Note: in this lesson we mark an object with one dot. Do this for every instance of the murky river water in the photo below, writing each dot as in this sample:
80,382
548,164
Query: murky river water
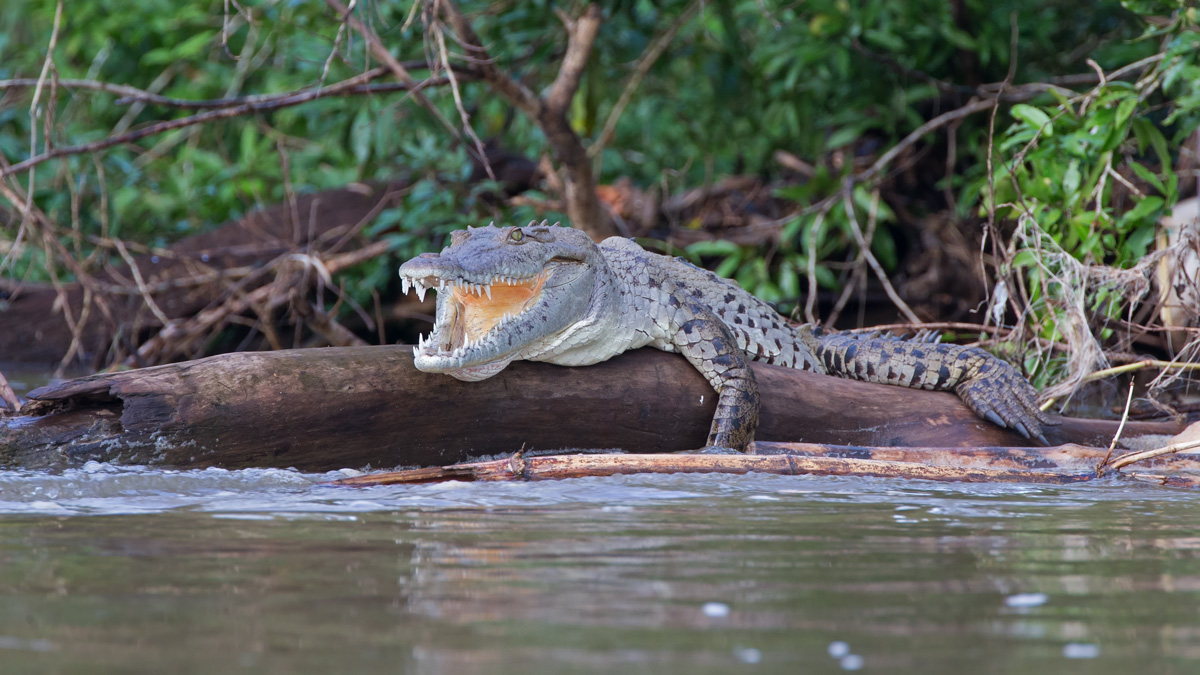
135,570
127,570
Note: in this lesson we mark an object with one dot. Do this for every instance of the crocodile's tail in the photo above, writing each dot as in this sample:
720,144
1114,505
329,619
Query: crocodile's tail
989,386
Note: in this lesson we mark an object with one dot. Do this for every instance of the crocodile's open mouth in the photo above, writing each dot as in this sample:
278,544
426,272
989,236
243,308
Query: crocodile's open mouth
472,311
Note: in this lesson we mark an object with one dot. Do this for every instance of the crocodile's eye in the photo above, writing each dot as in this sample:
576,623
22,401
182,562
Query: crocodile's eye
516,235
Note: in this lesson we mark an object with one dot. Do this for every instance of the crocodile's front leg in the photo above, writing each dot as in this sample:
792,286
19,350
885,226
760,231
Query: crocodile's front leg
709,345
992,388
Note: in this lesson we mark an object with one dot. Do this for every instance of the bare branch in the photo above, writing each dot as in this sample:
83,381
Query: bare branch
348,87
579,47
8,396
933,124
864,249
649,57
401,73
141,283
179,337
583,207
130,94
516,92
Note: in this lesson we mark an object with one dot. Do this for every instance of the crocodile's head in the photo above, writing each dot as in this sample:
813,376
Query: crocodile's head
504,293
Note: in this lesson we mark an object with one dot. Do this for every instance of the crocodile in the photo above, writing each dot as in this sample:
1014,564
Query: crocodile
549,293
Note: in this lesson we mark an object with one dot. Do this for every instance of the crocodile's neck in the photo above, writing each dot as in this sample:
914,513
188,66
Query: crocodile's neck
598,333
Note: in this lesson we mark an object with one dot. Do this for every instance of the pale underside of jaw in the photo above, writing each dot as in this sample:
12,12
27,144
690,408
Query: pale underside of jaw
471,312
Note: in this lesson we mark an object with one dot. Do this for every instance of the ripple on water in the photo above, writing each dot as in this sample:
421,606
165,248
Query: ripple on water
104,489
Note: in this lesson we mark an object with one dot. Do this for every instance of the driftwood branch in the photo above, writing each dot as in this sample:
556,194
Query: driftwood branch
1054,465
1146,455
323,409
519,467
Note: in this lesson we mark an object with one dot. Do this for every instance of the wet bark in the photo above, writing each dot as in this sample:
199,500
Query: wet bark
323,409
985,465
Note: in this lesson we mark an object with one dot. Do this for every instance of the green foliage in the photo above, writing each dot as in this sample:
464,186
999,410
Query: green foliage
824,79
1090,176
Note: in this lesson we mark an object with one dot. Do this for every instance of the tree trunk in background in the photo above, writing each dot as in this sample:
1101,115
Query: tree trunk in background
323,409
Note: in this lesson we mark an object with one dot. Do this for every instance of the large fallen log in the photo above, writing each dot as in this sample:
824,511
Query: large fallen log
322,409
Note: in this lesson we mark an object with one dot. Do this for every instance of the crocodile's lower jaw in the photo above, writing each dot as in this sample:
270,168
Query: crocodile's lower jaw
477,373
456,366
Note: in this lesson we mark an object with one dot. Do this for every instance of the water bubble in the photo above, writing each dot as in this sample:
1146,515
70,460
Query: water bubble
25,644
747,654
1081,650
838,649
715,610
851,662
1026,600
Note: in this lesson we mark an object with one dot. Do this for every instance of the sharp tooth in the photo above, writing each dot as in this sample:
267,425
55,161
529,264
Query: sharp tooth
404,285
421,291
415,350
441,284
488,289
421,341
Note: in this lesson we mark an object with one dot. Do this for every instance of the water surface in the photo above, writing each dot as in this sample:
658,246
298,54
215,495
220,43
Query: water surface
137,570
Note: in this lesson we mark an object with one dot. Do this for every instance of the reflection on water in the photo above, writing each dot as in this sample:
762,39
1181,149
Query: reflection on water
24,378
215,571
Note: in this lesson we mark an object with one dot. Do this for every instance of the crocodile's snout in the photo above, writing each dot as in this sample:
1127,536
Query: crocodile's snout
499,291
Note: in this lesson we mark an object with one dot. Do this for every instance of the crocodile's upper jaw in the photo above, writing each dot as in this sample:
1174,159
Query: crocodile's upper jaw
499,300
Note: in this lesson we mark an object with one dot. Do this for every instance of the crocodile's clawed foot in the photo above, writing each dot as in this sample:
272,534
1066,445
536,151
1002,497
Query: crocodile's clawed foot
1005,399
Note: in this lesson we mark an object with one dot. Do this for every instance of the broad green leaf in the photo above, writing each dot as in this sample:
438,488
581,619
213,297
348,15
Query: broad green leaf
194,45
843,136
1148,176
713,248
1034,117
360,135
1146,207
1071,179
